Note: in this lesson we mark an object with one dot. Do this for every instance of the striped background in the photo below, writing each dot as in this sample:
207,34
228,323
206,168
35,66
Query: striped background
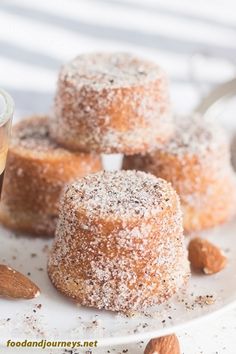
194,41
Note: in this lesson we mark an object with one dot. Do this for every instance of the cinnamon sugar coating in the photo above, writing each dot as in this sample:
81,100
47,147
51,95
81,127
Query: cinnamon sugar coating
197,163
36,173
119,242
111,103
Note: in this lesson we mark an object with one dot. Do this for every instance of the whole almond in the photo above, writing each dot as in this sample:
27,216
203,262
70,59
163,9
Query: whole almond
205,256
15,285
163,345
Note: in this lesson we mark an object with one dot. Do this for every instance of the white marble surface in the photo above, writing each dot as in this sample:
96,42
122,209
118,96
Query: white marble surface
193,41
211,337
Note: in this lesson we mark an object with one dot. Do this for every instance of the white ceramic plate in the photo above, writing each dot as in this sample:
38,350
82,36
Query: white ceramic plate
60,319
52,316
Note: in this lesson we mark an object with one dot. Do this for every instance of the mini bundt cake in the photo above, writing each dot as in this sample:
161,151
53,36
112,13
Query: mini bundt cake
37,171
119,242
111,103
197,163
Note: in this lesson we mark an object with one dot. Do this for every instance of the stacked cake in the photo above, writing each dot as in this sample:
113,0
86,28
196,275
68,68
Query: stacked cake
119,242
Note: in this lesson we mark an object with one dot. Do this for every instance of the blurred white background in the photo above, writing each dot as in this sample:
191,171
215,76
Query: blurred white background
195,41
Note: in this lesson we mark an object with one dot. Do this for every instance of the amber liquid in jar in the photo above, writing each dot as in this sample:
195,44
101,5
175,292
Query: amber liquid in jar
3,155
6,112
1,182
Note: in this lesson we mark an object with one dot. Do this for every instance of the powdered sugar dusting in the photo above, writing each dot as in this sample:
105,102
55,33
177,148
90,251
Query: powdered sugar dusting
195,134
110,70
120,194
32,133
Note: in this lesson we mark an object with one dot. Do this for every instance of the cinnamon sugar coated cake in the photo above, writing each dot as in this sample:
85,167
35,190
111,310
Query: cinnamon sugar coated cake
119,243
197,163
111,103
36,173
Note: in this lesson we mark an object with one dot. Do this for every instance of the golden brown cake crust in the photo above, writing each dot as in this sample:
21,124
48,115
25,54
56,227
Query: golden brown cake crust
36,173
119,243
197,163
111,103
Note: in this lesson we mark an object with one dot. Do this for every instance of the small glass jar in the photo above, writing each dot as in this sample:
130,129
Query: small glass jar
6,114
